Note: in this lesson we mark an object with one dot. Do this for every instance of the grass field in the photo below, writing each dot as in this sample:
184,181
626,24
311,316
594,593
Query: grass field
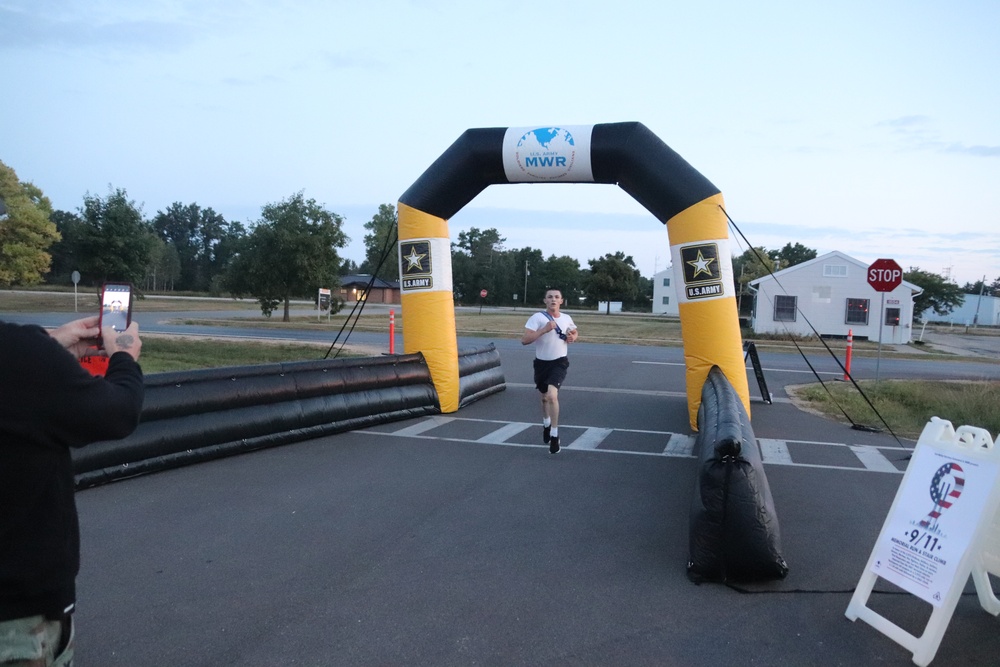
907,405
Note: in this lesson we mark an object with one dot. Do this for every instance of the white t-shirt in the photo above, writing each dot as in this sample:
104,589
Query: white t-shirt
549,345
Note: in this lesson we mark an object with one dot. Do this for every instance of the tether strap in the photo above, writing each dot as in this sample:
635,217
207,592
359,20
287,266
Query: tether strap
552,319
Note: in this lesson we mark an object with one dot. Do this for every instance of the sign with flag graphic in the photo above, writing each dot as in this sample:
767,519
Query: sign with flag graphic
937,512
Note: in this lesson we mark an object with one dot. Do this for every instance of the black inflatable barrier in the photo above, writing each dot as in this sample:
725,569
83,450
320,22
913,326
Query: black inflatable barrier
733,531
193,416
479,374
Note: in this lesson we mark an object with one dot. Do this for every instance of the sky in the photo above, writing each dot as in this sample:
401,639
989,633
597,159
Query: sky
865,127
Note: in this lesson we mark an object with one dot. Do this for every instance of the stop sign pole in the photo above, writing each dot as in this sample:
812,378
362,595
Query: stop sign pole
884,275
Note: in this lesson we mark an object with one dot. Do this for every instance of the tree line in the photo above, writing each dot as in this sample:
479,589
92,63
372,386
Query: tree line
294,247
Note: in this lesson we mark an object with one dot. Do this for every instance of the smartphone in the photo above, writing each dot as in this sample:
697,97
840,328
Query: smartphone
116,306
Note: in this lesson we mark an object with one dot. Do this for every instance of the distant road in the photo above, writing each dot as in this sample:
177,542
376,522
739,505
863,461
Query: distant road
780,367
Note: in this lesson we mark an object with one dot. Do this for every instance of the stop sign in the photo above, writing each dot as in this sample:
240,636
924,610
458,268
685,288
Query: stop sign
884,275
482,293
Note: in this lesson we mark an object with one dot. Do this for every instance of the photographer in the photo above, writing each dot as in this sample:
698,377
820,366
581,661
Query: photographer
49,403
551,332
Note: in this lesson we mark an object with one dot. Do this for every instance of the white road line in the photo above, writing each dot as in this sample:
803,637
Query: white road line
637,392
504,433
873,459
749,368
603,390
591,438
774,451
425,425
680,445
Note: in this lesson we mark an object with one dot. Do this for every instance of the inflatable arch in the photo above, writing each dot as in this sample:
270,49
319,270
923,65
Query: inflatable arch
626,154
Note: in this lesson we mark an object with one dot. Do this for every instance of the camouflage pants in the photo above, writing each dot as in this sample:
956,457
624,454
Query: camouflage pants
35,642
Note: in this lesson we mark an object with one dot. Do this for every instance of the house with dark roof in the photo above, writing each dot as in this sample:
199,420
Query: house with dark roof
365,287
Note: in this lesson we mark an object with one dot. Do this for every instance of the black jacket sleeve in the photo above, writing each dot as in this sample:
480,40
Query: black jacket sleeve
50,399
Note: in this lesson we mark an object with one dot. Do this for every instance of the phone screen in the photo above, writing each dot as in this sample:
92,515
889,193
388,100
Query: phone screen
116,306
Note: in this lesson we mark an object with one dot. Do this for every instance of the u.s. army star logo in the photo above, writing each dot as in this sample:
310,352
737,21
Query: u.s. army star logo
416,265
702,273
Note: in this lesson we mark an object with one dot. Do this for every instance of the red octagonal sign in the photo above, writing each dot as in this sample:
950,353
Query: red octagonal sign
884,275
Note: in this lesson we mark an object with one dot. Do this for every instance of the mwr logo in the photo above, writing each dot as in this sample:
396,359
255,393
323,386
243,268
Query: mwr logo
417,266
546,153
702,272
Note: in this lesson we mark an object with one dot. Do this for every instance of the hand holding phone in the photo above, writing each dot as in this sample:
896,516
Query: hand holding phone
116,306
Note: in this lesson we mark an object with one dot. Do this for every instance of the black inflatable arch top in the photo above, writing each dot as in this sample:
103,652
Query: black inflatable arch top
625,154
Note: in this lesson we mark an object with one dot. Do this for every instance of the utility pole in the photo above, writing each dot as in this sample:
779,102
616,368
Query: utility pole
975,318
526,274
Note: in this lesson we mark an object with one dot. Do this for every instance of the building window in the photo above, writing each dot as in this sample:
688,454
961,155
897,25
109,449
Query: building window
666,301
857,311
784,308
892,317
834,270
666,282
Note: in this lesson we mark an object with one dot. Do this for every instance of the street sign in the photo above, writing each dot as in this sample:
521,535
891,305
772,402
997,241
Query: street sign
482,293
884,275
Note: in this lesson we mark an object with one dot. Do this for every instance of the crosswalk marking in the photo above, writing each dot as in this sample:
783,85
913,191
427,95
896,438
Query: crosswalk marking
873,458
680,445
504,433
425,425
773,451
591,438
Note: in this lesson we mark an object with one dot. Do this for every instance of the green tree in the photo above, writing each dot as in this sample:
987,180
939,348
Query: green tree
164,265
476,263
291,251
382,245
613,278
790,255
115,243
754,263
26,233
982,287
563,272
196,234
939,294
66,251
644,298
528,276
350,268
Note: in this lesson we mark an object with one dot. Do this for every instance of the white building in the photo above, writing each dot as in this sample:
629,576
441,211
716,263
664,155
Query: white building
975,310
664,293
832,292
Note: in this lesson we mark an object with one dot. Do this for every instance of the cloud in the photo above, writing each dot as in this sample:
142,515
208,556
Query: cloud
917,133
977,151
30,30
904,121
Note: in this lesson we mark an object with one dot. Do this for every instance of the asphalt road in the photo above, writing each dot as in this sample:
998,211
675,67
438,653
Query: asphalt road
458,540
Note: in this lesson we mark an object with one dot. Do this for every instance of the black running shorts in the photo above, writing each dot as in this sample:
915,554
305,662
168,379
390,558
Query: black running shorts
550,373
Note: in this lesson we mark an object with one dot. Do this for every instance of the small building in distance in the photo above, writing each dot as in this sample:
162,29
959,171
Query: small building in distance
355,288
665,293
975,310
